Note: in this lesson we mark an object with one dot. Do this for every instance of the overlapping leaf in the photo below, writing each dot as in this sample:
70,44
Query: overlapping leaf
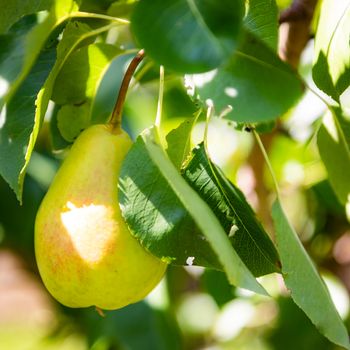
246,234
331,70
76,86
33,113
149,184
20,52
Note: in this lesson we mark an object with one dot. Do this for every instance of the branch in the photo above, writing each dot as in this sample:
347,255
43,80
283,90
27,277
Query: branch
295,30
294,35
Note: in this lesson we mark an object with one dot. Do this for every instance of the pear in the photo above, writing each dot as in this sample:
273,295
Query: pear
85,253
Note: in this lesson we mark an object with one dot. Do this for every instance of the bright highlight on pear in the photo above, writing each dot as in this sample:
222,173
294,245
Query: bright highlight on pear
84,250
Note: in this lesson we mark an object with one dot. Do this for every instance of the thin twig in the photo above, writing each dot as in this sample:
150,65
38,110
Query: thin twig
267,161
160,98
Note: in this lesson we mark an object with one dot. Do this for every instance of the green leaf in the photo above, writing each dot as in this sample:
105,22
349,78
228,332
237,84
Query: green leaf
74,34
261,19
12,11
255,82
17,58
17,120
179,142
57,141
72,120
82,73
148,185
335,153
307,288
76,86
121,8
228,203
331,69
156,215
187,36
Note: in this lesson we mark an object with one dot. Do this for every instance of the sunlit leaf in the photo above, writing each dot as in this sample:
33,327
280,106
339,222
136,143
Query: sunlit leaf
254,82
18,121
179,142
331,70
307,288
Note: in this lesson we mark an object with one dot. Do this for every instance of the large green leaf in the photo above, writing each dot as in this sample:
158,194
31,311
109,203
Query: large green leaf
246,234
17,121
255,82
307,288
262,20
335,153
331,70
18,53
187,36
156,215
150,188
12,11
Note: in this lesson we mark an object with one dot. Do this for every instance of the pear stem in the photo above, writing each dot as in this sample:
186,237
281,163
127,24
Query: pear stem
100,312
116,117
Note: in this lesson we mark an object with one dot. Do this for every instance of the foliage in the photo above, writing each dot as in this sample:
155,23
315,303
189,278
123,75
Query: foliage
61,66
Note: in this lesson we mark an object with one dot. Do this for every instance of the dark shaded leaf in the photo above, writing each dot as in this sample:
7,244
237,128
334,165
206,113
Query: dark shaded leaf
154,199
179,142
246,234
187,36
255,82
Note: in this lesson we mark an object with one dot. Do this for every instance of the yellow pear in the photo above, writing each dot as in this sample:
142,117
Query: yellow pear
84,250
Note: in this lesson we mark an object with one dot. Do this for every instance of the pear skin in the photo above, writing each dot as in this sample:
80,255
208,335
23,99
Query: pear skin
85,253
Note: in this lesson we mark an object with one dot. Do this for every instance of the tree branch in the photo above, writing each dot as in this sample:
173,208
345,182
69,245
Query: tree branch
294,35
295,30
